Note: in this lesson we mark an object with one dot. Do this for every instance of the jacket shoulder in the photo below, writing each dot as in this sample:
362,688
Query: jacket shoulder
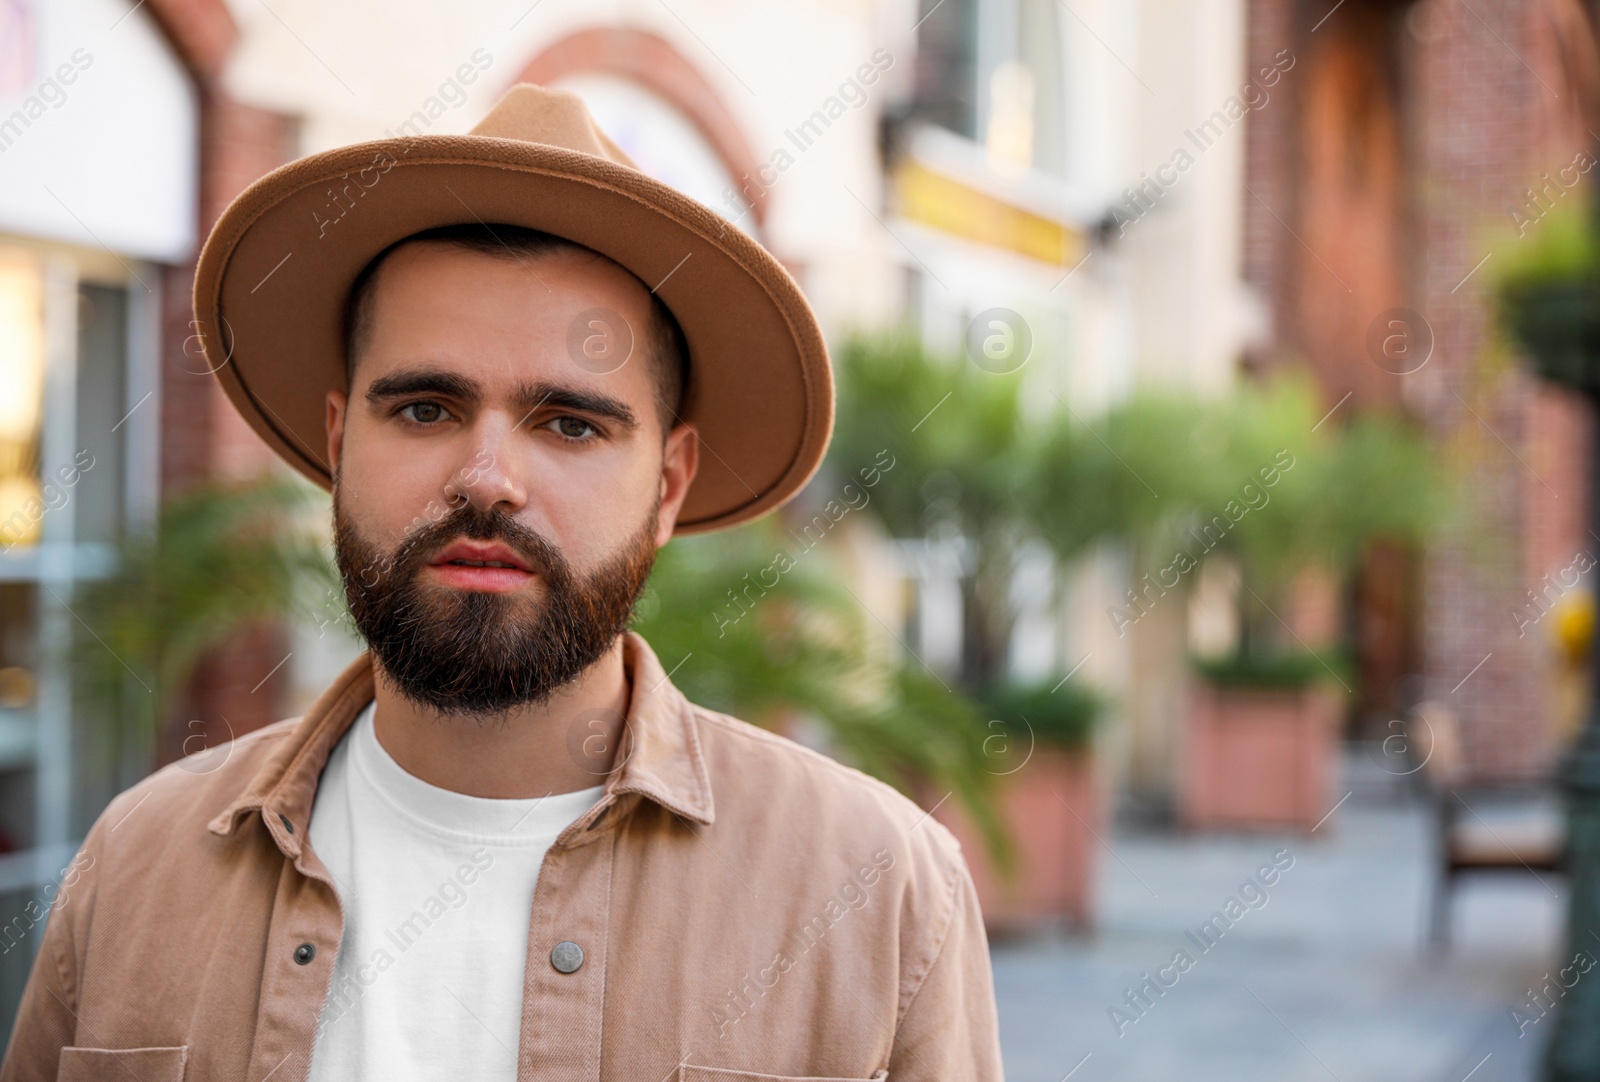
197,787
801,817
752,764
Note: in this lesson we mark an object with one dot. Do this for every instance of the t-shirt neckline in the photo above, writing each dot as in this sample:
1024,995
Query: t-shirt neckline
502,821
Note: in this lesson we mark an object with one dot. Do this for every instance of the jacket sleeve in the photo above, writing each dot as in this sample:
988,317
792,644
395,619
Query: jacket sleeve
951,1028
46,1021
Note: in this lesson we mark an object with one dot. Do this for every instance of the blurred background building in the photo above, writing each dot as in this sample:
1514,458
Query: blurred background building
1173,194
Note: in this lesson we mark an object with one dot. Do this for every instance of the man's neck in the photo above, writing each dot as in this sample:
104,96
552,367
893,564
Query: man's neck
559,746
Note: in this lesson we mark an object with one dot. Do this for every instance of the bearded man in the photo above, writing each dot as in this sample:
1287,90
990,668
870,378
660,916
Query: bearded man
503,845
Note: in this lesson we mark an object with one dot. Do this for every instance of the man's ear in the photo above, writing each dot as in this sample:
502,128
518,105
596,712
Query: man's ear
334,422
680,458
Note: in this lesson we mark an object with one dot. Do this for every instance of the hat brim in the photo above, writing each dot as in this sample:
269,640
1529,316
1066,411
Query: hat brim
272,280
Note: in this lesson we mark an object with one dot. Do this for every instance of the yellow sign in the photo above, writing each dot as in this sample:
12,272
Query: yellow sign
953,206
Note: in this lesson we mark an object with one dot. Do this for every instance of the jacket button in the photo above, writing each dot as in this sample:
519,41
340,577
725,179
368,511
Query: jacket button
286,824
566,956
305,952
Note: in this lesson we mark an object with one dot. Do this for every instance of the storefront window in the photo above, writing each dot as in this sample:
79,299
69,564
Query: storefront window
76,390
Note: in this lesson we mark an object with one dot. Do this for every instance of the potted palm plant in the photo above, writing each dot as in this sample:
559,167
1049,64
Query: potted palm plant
1260,741
1038,740
1260,737
969,447
1261,480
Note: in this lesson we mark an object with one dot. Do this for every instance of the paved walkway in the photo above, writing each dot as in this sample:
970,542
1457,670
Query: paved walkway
1321,978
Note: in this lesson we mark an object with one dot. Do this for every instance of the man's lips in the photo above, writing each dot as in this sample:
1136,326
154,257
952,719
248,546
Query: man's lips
481,565
480,552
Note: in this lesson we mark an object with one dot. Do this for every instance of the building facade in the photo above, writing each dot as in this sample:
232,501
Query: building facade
1409,157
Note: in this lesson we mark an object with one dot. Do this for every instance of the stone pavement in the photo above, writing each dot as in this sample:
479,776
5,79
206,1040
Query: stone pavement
1322,976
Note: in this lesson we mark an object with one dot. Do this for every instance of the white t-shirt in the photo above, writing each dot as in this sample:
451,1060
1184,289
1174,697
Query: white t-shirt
437,890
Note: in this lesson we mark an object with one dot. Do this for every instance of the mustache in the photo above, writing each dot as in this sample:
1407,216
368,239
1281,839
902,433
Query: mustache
470,522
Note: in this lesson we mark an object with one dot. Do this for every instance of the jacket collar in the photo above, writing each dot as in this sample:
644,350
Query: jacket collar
659,754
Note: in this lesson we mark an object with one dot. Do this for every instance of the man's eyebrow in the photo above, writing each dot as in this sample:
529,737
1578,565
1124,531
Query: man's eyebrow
530,397
424,380
527,397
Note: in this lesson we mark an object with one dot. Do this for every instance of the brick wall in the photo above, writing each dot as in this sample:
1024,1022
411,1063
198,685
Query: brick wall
1494,111
1485,99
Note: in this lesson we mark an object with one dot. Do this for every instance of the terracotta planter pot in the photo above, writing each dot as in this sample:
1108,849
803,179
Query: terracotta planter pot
1052,808
1257,759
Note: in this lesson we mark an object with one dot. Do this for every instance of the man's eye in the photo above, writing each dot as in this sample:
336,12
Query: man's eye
574,428
425,412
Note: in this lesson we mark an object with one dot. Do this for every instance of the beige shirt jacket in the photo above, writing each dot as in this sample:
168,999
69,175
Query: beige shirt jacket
734,908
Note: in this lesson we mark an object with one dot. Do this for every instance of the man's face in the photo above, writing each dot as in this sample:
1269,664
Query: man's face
472,435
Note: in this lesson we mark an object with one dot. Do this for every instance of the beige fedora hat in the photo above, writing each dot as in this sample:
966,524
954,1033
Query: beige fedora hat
273,277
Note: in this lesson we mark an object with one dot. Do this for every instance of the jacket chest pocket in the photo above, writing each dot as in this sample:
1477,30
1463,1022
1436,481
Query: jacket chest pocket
687,1072
130,1064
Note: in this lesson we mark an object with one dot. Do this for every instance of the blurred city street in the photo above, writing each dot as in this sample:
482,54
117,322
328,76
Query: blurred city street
1327,980
1157,439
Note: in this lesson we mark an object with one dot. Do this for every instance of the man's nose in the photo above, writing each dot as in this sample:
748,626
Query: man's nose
488,477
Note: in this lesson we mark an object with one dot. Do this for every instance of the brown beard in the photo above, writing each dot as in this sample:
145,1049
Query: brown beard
474,652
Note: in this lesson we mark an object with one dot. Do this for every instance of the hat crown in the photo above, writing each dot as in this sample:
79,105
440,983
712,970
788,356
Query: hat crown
559,118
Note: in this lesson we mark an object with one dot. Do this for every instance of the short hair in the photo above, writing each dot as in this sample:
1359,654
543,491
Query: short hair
668,351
